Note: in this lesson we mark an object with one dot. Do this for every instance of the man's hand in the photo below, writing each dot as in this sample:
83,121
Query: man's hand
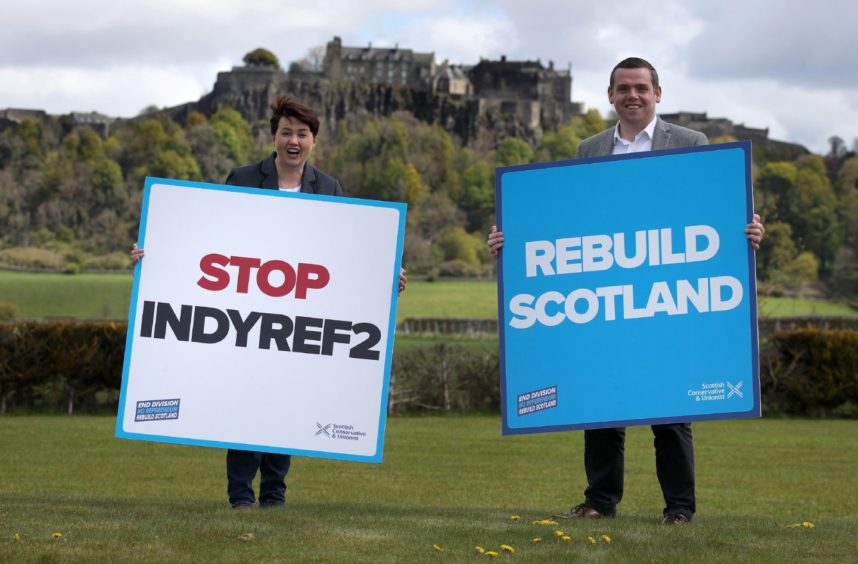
755,231
495,241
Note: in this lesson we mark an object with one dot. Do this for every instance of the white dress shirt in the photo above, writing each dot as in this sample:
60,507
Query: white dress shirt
642,141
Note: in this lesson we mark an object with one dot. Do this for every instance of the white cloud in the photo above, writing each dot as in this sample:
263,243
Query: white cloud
120,92
784,64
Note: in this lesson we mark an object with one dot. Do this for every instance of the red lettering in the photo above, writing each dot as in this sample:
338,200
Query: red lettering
288,274
309,276
208,264
244,264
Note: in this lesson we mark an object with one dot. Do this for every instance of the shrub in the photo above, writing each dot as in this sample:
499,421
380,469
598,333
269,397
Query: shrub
8,311
810,372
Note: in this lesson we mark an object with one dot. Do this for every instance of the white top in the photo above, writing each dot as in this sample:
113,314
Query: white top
295,189
642,142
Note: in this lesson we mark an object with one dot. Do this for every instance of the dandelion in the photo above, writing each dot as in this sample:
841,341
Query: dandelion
606,538
18,537
515,517
57,535
480,549
591,540
559,533
808,525
536,540
507,548
566,538
438,548
491,553
545,522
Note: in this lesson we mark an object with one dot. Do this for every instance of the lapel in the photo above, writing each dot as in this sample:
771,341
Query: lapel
268,173
606,143
308,179
661,136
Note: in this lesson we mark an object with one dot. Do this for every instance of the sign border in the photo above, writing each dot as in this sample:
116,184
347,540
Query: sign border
755,411
376,457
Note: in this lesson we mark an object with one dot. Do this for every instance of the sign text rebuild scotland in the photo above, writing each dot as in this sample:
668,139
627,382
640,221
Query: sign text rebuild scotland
262,320
627,291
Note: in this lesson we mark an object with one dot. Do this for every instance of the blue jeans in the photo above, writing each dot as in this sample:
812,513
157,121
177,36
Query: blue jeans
241,468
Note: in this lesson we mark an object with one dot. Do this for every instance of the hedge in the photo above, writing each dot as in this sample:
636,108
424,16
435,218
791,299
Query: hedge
811,372
77,365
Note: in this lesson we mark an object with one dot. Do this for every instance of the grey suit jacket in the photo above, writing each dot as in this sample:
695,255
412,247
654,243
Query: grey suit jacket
666,136
264,175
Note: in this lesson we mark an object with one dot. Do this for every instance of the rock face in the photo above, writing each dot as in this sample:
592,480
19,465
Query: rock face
478,122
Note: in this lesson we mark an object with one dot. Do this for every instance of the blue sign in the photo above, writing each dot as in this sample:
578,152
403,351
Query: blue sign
627,292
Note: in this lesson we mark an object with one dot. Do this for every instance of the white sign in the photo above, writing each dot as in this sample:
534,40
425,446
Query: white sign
262,320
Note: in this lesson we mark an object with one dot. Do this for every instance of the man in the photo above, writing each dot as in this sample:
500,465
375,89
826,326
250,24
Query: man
634,92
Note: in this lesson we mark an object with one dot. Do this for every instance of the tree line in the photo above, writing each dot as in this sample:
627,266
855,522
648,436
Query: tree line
70,199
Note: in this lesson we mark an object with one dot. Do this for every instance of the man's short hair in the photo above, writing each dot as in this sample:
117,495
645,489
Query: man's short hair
288,107
635,63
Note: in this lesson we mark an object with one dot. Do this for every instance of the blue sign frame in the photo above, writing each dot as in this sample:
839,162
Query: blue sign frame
133,322
627,290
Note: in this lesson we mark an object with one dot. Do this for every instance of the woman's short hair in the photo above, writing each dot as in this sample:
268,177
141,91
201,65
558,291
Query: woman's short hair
288,107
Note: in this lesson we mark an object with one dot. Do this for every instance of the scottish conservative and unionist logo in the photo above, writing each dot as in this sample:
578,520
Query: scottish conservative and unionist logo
717,391
339,432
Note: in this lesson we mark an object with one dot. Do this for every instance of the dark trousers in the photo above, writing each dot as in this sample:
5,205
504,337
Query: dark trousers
241,468
604,451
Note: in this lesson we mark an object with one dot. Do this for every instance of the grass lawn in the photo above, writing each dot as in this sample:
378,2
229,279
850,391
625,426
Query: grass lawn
451,481
106,296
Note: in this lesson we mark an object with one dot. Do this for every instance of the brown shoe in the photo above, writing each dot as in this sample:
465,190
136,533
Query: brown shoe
676,519
242,507
580,511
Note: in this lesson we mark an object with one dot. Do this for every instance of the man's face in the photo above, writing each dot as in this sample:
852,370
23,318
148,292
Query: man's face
633,96
293,142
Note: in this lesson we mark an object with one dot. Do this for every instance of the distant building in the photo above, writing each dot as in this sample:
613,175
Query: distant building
453,79
386,65
99,123
721,127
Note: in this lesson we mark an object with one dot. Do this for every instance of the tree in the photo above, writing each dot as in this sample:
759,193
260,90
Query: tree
261,57
513,151
313,61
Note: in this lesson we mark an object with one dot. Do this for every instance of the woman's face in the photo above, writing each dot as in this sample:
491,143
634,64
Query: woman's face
293,142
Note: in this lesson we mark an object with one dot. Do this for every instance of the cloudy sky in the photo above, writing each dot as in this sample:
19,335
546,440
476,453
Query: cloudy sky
788,65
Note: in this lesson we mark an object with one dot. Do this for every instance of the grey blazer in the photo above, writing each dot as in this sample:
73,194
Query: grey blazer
666,136
264,175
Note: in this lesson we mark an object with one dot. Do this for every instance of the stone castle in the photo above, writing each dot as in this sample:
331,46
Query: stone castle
479,104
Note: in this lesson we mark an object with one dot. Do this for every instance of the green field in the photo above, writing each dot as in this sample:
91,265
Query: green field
106,296
451,481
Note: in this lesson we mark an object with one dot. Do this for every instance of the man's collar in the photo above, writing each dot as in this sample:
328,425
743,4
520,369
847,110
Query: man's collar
649,130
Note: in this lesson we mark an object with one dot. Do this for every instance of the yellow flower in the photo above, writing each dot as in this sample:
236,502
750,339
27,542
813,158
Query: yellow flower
808,525
507,548
57,535
17,537
545,522
536,540
480,549
559,533
591,540
438,548
606,538
566,538
515,517
491,553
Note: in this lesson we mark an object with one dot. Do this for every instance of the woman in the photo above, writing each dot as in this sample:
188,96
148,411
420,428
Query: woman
294,127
